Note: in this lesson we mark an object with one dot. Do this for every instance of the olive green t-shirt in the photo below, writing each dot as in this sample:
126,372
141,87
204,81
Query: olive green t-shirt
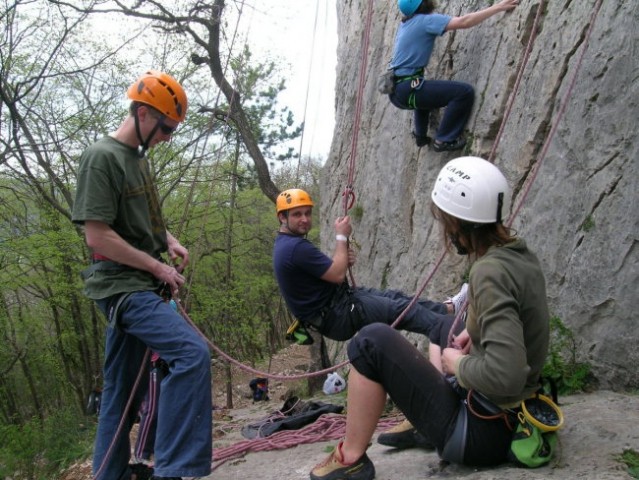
115,187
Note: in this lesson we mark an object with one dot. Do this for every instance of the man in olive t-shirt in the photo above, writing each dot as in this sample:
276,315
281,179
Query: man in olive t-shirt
118,205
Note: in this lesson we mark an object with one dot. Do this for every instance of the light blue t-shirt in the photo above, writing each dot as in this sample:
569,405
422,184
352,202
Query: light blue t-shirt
415,40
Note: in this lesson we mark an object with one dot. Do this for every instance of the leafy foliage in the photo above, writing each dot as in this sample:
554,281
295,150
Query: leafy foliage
562,365
60,91
37,450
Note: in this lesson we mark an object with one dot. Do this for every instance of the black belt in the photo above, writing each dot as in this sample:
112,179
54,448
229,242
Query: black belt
317,321
403,78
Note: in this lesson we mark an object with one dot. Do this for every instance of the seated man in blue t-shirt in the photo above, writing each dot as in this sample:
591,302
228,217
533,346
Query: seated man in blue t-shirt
314,284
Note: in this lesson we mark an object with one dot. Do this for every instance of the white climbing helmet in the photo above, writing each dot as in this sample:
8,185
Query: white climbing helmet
472,189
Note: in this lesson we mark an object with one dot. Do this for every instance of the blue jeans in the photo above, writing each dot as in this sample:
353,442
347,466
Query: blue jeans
183,443
457,97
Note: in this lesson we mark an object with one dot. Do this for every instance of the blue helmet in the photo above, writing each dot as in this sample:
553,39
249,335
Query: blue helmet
408,7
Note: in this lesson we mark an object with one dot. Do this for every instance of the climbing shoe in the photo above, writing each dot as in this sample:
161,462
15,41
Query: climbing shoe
449,146
422,140
333,469
458,300
140,471
403,436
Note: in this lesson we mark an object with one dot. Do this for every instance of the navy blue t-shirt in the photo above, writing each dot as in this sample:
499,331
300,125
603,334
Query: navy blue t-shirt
298,266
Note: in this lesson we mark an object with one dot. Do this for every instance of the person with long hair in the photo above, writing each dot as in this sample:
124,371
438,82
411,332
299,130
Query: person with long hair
467,411
414,42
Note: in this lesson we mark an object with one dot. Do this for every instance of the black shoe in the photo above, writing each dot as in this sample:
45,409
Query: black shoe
403,436
449,146
141,471
165,478
422,140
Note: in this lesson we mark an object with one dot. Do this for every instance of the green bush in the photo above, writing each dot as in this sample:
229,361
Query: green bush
562,365
631,458
38,449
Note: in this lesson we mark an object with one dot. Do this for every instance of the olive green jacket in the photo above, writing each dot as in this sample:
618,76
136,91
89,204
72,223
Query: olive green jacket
508,323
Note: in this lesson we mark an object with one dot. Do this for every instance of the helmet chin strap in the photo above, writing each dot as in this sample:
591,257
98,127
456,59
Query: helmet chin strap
144,144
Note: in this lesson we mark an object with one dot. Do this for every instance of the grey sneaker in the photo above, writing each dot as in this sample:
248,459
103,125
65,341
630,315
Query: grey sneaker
460,299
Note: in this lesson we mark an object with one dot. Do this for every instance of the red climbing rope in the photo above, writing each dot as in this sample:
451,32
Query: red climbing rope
520,74
513,95
125,414
564,104
247,368
349,196
329,426
540,159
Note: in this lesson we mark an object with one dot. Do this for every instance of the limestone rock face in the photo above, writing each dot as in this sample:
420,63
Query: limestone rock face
568,148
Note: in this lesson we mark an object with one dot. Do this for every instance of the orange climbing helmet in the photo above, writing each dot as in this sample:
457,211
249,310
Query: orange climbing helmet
162,92
292,198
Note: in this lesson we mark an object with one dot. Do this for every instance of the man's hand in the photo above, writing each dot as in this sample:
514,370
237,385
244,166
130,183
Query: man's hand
351,257
177,251
170,276
343,226
506,5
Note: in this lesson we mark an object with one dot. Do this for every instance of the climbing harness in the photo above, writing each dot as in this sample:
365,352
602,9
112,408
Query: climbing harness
297,333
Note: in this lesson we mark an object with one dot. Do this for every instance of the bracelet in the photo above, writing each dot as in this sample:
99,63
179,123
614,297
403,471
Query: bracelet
341,238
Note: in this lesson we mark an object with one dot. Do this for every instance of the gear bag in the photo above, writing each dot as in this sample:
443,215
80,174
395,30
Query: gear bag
386,82
259,386
535,438
293,415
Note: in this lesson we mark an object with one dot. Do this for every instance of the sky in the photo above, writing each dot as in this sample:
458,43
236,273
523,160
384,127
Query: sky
302,36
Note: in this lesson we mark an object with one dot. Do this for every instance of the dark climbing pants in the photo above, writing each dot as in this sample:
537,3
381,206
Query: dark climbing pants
457,97
428,400
353,309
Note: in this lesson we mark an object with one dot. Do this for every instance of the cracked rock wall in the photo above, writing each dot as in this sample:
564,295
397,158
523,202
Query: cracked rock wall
580,214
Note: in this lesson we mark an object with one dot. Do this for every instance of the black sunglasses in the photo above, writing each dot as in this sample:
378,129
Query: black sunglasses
166,130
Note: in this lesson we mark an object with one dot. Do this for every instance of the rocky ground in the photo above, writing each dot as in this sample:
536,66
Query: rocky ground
599,426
